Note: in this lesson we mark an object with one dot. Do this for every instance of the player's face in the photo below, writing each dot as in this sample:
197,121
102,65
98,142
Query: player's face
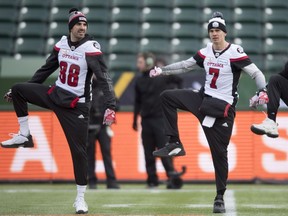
217,35
141,65
78,31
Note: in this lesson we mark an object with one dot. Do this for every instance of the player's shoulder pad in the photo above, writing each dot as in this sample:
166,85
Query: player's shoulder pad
237,51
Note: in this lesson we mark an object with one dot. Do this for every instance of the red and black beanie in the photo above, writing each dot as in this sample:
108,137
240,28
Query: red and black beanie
75,16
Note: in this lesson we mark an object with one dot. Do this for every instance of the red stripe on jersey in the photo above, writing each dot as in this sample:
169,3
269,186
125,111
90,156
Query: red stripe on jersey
56,48
226,110
239,59
93,53
201,55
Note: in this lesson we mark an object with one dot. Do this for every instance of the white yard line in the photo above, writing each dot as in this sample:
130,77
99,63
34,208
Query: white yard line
230,203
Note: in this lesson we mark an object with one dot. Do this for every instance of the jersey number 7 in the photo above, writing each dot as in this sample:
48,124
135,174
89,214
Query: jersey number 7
215,73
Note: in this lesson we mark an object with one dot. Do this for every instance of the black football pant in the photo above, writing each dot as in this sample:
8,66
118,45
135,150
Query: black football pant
153,137
277,88
218,136
75,128
100,135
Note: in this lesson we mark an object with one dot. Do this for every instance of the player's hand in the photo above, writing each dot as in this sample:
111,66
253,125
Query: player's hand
109,117
8,96
260,98
253,101
263,98
156,71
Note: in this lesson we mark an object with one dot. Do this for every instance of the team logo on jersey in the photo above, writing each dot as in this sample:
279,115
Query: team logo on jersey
96,45
240,50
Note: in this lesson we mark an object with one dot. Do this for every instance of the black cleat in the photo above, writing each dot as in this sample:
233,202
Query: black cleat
170,149
219,205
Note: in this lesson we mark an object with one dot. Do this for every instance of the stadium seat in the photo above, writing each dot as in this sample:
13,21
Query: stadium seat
187,30
187,4
36,3
156,45
274,63
186,46
119,45
156,15
250,45
67,3
160,4
8,14
97,15
276,46
10,29
59,14
125,15
258,60
127,30
96,4
58,29
26,29
6,46
216,3
248,3
126,3
34,14
276,30
97,29
30,46
122,62
275,3
104,45
156,30
275,15
10,3
187,15
254,30
208,13
176,57
248,15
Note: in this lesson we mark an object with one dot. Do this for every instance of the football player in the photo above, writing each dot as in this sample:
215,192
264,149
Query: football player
214,104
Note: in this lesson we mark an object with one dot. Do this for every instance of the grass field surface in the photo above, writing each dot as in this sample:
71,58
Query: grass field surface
134,199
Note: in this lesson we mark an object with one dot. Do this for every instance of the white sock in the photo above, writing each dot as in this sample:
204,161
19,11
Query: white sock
81,191
24,126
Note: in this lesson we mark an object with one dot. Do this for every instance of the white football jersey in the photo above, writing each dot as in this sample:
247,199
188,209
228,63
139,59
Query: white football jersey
73,66
222,70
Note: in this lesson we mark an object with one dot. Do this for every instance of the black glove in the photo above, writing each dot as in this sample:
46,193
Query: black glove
8,96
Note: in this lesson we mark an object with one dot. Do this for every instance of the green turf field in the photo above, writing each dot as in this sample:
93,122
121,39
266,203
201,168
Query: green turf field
192,199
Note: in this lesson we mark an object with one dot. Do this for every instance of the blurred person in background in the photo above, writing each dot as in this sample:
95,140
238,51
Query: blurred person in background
147,105
277,89
98,132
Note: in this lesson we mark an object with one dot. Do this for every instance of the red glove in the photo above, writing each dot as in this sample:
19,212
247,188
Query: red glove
263,98
109,117
259,98
155,72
